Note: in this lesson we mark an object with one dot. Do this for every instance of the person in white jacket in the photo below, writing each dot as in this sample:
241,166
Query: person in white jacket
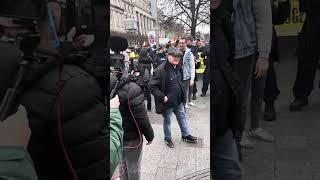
189,70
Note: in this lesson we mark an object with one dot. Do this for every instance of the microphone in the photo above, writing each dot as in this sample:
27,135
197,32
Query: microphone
118,44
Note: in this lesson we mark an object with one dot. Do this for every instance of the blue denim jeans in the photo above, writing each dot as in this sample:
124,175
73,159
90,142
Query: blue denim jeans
226,165
180,113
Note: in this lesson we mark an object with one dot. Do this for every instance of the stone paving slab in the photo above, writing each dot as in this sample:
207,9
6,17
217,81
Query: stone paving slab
295,154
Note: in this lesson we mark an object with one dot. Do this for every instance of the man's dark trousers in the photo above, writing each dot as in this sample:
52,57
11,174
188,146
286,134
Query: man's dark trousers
308,55
271,91
206,81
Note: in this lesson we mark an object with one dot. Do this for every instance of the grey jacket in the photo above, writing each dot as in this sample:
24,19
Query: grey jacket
253,27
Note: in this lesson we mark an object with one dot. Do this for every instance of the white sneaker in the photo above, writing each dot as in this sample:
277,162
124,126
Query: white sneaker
261,134
246,143
191,104
187,106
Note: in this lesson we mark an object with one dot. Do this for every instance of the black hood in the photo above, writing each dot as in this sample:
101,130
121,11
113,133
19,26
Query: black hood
144,52
10,58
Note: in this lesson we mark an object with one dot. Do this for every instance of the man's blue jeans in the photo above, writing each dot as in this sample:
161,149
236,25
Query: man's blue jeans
226,165
180,113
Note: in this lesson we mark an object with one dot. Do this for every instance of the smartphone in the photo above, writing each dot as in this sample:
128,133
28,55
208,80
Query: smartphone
82,29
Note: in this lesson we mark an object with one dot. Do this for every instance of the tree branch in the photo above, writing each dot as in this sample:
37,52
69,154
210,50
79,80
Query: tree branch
185,22
183,8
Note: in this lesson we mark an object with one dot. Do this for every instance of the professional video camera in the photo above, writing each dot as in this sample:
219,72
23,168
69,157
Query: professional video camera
28,13
117,44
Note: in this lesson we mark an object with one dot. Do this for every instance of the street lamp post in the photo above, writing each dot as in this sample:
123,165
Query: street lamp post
157,25
154,12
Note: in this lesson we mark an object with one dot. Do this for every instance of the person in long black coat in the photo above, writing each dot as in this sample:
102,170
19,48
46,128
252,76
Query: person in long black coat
308,54
226,97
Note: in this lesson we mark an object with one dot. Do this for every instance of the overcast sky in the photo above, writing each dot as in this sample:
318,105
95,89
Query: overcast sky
202,28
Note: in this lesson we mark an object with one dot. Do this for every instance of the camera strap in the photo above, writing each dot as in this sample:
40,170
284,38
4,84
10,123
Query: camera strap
52,28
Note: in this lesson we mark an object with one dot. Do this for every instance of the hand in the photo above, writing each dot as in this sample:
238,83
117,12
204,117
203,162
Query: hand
71,34
261,68
165,99
81,41
191,82
15,131
150,142
115,103
136,74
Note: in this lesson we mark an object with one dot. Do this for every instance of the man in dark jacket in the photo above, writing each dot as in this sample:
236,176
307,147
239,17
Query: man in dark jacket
135,121
226,97
280,13
206,74
308,54
160,57
167,87
85,21
82,147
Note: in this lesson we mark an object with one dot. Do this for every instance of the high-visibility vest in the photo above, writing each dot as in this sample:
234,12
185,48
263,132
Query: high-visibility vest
132,55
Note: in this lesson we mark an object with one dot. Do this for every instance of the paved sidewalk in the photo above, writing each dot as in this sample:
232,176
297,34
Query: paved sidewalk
184,161
295,155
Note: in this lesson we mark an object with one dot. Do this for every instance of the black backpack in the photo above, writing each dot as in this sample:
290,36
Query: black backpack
146,76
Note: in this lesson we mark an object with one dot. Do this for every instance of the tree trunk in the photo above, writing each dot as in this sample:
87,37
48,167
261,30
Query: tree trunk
193,30
193,18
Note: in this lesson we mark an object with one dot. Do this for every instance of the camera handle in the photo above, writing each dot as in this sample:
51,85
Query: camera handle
8,103
114,90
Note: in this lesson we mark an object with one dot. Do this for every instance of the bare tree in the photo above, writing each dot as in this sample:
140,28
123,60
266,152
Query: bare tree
169,24
191,13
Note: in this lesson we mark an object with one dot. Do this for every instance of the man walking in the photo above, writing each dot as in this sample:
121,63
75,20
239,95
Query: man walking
194,51
189,71
253,27
307,54
167,87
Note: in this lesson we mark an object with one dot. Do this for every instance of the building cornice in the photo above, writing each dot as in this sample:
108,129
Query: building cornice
128,2
117,7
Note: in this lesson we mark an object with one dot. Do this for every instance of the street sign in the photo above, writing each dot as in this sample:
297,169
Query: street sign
163,41
152,38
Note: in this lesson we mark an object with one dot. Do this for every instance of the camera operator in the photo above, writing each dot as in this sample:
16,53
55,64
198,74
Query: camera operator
135,118
85,27
83,149
144,67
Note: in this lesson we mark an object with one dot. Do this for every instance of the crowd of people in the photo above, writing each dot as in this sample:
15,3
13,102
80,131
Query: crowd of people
63,105
245,50
168,73
60,130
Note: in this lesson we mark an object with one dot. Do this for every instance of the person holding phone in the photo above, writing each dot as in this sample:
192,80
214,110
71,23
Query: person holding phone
116,134
15,161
